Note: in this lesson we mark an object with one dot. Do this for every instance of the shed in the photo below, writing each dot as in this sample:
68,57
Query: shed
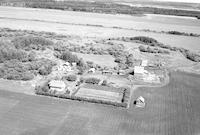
91,70
144,63
57,85
140,102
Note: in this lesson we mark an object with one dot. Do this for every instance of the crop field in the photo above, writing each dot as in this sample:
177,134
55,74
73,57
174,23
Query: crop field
94,25
171,110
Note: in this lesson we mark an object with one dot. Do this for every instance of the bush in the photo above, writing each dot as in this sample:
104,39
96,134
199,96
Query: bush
70,78
92,80
142,49
143,39
153,50
105,83
17,70
31,42
69,57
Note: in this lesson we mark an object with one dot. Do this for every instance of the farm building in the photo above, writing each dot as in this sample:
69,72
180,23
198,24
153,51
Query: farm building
139,70
74,64
140,102
91,70
66,67
57,86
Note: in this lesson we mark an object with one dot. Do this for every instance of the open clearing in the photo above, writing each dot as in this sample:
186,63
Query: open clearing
172,109
99,25
102,60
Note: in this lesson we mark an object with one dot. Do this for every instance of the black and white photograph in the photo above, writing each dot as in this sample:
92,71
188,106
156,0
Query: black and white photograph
99,67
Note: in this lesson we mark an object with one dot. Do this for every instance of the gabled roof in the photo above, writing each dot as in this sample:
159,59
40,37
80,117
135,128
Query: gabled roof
57,84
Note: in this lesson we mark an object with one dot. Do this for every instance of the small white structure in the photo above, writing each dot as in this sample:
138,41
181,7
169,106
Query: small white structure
121,72
140,102
91,70
66,64
74,64
57,86
139,70
144,63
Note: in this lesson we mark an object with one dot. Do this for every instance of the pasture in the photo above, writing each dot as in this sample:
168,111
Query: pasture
171,110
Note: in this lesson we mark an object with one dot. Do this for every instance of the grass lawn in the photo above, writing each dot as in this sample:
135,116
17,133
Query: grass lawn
171,110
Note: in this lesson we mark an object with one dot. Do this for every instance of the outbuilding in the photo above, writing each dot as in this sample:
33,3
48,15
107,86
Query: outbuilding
140,102
57,86
91,70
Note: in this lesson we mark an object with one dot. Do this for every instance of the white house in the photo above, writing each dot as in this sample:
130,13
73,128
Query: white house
139,70
57,86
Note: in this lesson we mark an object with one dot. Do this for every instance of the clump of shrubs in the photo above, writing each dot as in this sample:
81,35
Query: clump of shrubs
104,83
92,80
9,52
15,70
31,42
126,94
153,50
143,39
71,77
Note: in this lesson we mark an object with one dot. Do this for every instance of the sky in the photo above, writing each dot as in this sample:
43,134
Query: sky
188,1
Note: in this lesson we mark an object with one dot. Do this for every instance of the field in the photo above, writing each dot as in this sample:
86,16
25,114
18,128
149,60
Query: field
138,8
93,25
98,59
172,109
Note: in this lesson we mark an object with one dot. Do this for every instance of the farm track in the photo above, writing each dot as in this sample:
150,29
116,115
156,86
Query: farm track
172,109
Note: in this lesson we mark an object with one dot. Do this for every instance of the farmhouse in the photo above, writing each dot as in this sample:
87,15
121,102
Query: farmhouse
121,72
139,70
57,86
